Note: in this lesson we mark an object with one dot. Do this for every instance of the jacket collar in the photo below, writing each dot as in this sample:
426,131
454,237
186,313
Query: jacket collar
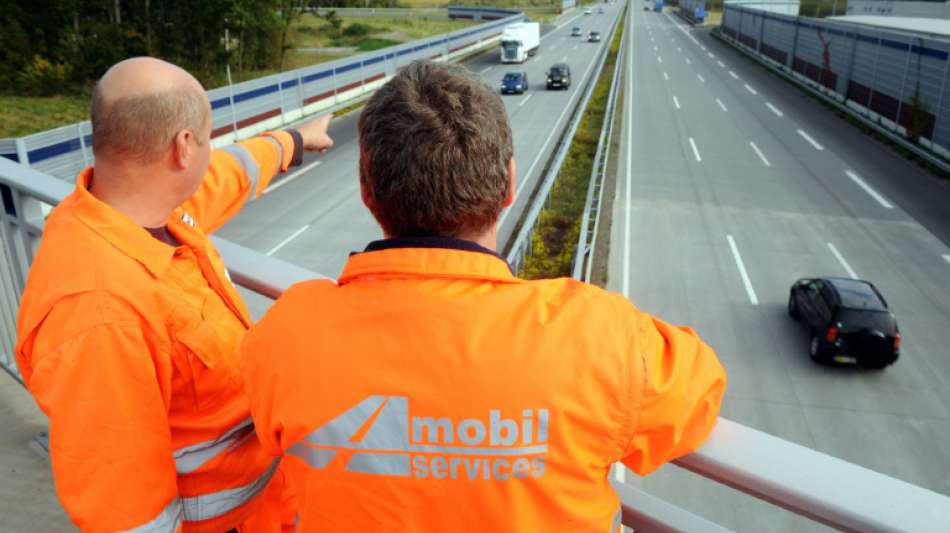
429,257
120,231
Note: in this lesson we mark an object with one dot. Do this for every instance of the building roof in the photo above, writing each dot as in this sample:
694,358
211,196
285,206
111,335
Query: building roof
929,26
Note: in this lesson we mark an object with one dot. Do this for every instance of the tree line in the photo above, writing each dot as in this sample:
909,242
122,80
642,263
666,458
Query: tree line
62,46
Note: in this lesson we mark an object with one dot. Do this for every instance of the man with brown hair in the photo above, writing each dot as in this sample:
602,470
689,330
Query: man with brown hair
432,390
129,328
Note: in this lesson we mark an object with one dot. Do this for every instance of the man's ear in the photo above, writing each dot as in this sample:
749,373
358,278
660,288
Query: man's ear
182,150
512,174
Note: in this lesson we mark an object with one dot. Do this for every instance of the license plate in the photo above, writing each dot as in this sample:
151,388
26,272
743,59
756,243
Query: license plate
844,359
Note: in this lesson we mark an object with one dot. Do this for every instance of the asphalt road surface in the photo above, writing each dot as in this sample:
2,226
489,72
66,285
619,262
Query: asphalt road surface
732,184
314,217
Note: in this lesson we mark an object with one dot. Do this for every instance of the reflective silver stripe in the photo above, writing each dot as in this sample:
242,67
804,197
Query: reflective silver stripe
617,521
251,168
315,457
215,504
191,458
380,463
167,521
280,152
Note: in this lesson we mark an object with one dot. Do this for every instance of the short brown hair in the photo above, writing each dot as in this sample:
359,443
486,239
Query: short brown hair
142,127
434,150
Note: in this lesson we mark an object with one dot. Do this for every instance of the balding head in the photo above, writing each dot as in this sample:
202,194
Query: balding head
141,104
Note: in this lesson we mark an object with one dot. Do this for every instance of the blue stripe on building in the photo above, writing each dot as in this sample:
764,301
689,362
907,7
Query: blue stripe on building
268,89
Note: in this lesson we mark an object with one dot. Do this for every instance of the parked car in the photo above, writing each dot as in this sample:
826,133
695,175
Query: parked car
514,82
593,37
559,76
848,320
576,31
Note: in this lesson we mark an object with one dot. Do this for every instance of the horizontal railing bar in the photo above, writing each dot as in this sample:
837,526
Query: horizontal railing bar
823,488
646,513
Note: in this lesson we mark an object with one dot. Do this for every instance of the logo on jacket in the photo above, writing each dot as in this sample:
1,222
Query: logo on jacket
378,436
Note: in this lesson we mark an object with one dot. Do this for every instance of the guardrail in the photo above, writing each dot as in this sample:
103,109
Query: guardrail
590,219
894,81
245,109
804,481
520,248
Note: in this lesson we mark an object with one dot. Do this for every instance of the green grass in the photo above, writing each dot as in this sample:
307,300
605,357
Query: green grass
374,43
555,239
22,115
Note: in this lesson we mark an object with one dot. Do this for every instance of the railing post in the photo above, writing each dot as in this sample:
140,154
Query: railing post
900,96
877,59
280,93
943,89
791,56
82,144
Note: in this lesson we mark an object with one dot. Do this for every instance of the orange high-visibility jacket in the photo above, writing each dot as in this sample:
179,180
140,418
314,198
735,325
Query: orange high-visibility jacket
432,390
130,346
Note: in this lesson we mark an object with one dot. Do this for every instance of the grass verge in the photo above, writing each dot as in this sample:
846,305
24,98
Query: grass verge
555,238
22,115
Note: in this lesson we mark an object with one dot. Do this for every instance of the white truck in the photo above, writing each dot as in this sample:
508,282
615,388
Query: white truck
520,40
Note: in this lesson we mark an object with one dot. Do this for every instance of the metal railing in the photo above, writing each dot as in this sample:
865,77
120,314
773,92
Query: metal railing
520,249
590,219
802,480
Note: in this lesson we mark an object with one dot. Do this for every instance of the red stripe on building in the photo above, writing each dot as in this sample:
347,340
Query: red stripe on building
321,96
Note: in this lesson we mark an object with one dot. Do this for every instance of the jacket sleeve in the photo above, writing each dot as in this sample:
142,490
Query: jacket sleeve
239,173
677,386
110,443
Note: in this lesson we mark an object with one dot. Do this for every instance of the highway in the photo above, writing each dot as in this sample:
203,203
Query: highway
314,217
732,184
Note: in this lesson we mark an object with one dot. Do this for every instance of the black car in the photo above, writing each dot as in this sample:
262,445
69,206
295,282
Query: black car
593,37
848,320
514,82
559,76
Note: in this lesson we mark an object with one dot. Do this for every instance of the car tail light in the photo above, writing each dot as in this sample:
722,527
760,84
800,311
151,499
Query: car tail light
897,340
832,335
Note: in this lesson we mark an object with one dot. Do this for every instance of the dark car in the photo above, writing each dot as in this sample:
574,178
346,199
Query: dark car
593,37
559,76
576,31
848,320
514,82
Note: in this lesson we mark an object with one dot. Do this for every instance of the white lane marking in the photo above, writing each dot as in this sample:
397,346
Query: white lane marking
678,49
734,75
575,47
284,242
946,257
484,70
842,261
701,78
290,177
655,48
628,205
564,58
742,272
722,105
721,64
813,142
760,154
526,98
695,150
688,62
774,109
867,188
666,76
676,102
750,89
659,59
703,47
711,56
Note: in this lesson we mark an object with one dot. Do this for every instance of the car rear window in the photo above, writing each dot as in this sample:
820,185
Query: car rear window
858,295
853,319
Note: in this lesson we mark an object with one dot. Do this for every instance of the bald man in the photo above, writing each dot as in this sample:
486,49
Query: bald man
129,327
